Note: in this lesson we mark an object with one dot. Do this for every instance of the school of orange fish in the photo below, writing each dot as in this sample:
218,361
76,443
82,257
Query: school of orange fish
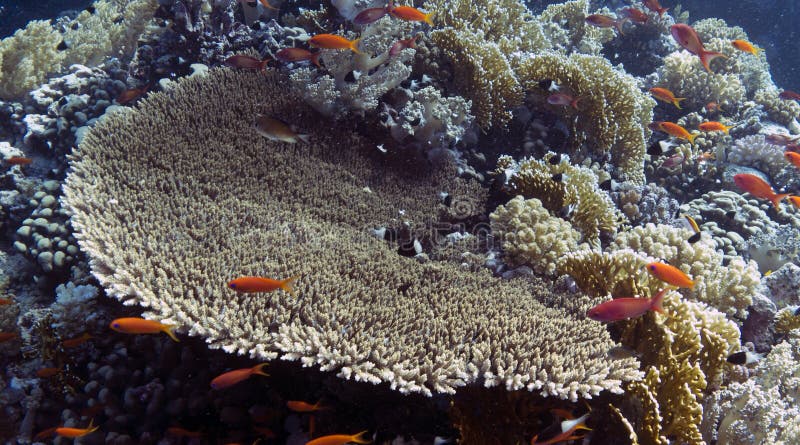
609,311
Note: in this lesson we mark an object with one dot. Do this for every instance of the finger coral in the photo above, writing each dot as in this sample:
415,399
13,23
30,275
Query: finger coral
167,228
530,236
613,112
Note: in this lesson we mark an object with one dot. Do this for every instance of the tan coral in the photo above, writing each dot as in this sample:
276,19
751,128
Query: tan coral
529,235
613,112
166,229
618,273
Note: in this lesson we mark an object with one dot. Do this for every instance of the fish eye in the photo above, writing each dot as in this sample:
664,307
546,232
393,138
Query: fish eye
115,325
652,267
232,285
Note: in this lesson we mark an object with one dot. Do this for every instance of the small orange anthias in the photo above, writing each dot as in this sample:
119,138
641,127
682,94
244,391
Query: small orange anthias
231,378
715,126
300,406
687,37
759,188
261,284
243,61
131,94
792,157
409,13
604,21
340,439
298,55
670,275
67,432
137,325
624,308
332,41
745,46
674,130
666,95
655,6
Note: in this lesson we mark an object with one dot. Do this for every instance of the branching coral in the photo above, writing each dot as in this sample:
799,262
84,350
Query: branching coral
431,119
31,53
763,409
613,112
617,273
355,82
728,288
754,151
529,235
565,26
592,210
226,202
685,353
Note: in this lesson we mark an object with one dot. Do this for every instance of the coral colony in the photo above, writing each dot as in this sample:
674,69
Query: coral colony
374,222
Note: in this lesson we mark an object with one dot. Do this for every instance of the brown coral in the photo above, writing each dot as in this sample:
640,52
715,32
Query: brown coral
166,229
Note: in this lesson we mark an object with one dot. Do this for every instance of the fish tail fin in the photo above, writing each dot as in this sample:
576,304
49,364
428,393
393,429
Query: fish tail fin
259,369
266,4
315,59
662,11
574,102
304,137
262,66
657,301
619,24
358,438
354,45
794,201
428,18
707,56
92,427
167,329
677,102
691,138
776,200
287,283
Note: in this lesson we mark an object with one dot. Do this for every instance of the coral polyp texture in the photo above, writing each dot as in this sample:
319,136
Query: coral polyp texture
173,199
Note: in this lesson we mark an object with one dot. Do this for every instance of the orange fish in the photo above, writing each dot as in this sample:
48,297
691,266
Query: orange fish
670,275
795,200
687,37
604,21
297,55
182,432
18,160
781,139
231,378
44,434
398,46
131,94
623,308
76,432
744,45
137,325
261,284
332,41
792,157
266,4
340,439
243,61
713,107
759,188
715,126
77,341
789,95
635,15
409,13
655,6
6,336
6,301
676,130
299,406
47,372
666,96
705,156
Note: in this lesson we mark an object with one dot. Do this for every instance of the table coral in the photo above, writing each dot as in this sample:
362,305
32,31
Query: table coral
613,112
224,202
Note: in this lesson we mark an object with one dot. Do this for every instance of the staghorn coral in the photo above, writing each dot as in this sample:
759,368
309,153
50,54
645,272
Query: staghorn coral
31,53
728,288
613,114
592,210
529,235
685,357
188,225
355,82
761,410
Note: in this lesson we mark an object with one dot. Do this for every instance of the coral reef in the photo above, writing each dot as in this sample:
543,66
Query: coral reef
111,29
762,409
429,118
529,235
359,305
613,112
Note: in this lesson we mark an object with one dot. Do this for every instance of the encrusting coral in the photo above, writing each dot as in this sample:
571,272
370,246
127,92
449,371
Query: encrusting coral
612,113
166,229
111,29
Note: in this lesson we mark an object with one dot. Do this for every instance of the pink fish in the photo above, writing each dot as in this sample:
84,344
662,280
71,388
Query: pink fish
604,21
563,99
400,45
370,15
623,308
687,37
